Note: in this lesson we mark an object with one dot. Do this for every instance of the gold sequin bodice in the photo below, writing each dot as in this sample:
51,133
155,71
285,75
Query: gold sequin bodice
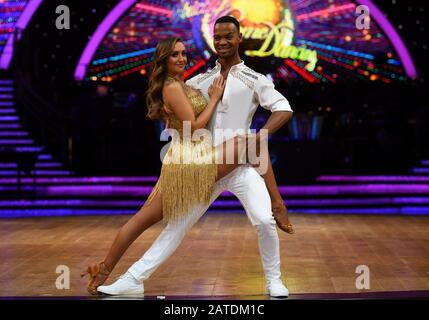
197,100
189,169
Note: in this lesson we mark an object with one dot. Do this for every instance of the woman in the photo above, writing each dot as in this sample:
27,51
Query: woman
181,185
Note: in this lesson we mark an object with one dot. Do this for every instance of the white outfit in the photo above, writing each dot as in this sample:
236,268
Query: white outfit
245,89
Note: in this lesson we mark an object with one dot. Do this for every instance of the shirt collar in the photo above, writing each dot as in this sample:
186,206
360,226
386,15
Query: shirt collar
237,66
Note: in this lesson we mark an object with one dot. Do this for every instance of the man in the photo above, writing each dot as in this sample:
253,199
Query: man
245,89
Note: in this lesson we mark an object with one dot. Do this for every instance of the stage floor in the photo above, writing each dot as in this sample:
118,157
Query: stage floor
219,258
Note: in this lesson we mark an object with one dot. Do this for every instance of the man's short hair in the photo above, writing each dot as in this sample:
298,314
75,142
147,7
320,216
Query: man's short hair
230,19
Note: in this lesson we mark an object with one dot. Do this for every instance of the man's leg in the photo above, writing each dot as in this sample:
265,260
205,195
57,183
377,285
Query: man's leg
249,187
169,239
131,282
166,243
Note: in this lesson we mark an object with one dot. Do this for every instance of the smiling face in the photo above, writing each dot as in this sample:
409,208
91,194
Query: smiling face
226,39
177,60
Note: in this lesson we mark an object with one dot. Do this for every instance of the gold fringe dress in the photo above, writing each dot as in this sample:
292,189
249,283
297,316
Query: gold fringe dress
189,170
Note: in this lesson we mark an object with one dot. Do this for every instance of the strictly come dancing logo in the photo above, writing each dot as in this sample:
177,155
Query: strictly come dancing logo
267,26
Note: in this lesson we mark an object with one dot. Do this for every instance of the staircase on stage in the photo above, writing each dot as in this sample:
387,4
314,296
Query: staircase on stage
48,188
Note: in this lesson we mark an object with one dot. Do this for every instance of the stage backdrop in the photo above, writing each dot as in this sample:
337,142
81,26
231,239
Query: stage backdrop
316,41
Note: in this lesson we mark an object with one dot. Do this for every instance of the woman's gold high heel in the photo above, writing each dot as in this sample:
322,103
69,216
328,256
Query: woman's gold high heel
98,273
278,208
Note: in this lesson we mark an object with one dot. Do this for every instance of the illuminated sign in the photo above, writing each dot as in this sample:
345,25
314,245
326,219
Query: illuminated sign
272,39
290,40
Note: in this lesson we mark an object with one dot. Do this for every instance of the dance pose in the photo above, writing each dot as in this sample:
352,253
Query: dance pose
184,192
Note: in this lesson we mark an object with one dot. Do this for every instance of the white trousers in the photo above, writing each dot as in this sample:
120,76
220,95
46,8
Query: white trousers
249,187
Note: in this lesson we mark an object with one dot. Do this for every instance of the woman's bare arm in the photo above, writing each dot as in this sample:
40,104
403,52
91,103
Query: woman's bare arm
178,103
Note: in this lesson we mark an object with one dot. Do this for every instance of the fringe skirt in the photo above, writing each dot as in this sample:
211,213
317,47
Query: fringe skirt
188,174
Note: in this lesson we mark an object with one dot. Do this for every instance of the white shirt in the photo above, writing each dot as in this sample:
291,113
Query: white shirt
245,89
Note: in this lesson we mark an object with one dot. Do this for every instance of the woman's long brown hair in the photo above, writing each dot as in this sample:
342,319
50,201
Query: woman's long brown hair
157,78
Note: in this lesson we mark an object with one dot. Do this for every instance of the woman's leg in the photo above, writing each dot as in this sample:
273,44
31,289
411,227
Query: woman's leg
240,147
279,209
147,216
231,154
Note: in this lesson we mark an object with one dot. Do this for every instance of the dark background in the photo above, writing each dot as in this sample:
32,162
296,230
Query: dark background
367,127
